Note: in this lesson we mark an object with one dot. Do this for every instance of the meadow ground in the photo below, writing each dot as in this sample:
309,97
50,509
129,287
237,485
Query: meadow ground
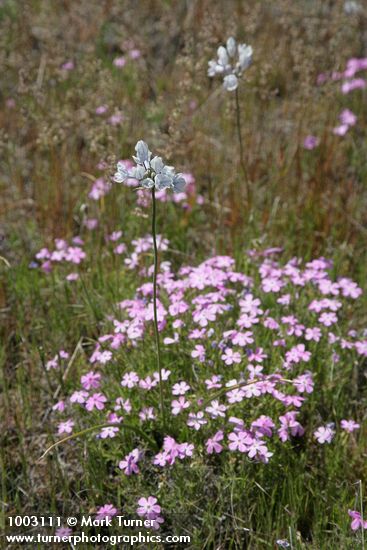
262,268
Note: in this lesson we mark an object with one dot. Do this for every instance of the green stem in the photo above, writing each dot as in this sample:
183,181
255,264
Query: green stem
361,505
156,333
92,429
239,134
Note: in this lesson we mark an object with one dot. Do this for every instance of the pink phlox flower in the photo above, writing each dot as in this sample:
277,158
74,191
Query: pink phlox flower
196,420
263,426
65,427
97,400
349,425
357,521
178,405
324,434
108,432
129,464
213,444
130,380
216,409
91,380
106,511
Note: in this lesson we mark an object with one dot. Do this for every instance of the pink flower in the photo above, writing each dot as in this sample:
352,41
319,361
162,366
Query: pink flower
357,521
134,53
213,445
349,425
199,353
75,254
347,117
229,356
130,379
101,110
91,380
79,397
63,532
129,464
239,441
341,130
310,142
106,511
68,65
180,388
108,432
65,427
119,62
148,507
324,434
72,277
97,400
178,405
196,420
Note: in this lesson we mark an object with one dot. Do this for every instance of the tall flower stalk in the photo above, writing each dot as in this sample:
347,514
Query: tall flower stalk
240,144
152,173
232,60
156,331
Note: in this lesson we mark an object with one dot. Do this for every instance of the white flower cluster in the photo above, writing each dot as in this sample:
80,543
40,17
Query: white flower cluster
150,172
232,60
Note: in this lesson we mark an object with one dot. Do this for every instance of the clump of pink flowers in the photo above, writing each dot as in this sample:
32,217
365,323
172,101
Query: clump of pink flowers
252,339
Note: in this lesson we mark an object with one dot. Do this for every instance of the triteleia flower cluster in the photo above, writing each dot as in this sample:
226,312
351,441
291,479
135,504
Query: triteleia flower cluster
151,173
232,60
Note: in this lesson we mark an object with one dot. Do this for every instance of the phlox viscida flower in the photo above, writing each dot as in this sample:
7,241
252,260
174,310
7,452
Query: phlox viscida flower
231,357
263,426
213,382
91,380
232,60
150,172
108,432
79,396
180,404
63,532
258,450
324,434
213,444
75,254
106,511
123,404
196,420
97,400
130,380
349,425
239,441
310,142
198,353
357,521
119,62
180,388
59,406
65,427
129,464
147,413
216,409
354,84
290,426
148,507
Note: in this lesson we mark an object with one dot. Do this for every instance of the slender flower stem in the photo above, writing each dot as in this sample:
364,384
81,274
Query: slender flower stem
361,506
94,428
156,333
239,134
